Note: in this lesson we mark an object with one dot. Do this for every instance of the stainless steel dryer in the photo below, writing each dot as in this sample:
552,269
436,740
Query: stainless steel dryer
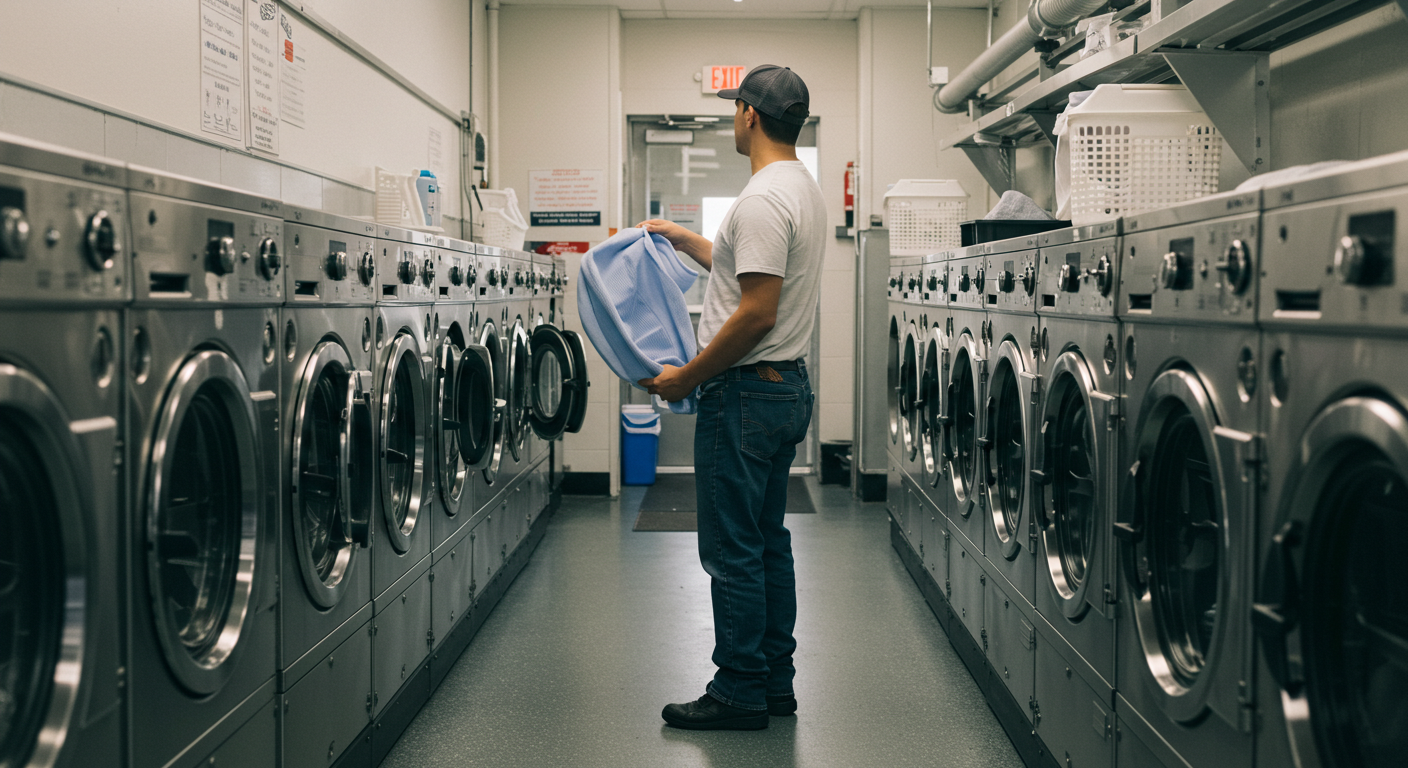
1330,611
328,500
934,536
63,282
1073,492
204,449
1011,400
401,537
517,322
557,377
905,350
492,482
1184,523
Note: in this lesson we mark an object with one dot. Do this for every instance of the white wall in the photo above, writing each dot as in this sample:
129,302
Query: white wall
141,59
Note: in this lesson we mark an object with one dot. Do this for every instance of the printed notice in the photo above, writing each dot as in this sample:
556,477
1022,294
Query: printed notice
293,68
566,197
222,68
262,57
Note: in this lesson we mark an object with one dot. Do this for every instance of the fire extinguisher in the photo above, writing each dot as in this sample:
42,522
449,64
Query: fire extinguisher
850,194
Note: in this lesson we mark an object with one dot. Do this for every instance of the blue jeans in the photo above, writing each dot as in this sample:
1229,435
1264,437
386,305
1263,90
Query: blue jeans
745,438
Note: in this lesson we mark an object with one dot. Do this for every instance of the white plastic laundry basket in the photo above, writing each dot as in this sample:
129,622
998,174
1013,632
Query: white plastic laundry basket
1137,148
504,225
923,215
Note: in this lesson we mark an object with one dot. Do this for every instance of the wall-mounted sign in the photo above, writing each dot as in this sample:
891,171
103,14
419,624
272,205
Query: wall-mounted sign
262,74
222,68
557,247
722,77
566,197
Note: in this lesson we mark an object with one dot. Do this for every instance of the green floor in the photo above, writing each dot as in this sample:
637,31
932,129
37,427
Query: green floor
605,626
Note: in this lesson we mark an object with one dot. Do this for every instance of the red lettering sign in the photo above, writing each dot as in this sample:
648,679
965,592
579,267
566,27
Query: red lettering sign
719,78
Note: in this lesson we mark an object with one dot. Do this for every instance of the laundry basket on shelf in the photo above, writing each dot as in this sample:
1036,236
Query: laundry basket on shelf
1137,148
504,225
923,215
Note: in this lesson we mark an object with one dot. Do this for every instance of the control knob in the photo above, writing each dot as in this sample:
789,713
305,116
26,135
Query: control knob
456,275
1171,271
1236,267
1029,279
101,245
428,273
408,272
912,283
933,281
1068,279
1103,275
337,265
493,276
964,282
366,270
220,255
14,233
1359,262
269,260
1006,281
472,275
979,280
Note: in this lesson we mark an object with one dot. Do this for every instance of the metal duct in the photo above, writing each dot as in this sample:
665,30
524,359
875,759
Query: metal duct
1044,18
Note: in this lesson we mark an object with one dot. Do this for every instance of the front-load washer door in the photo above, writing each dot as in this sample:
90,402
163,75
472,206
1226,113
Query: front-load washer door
961,435
476,407
1332,610
403,440
1069,504
322,531
449,457
518,394
202,520
1181,535
931,415
579,385
909,393
1006,458
551,378
893,377
493,346
43,571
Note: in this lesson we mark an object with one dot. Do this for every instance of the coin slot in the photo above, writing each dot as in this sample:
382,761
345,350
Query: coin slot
992,298
1048,299
1141,302
389,290
1298,302
170,284
305,288
445,291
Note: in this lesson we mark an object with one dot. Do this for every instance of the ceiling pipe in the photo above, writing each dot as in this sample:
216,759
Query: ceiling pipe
1044,19
492,172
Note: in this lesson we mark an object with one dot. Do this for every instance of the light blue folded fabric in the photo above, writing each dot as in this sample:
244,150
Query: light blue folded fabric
631,300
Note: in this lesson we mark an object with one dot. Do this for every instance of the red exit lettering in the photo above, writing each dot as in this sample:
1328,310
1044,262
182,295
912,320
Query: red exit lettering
722,78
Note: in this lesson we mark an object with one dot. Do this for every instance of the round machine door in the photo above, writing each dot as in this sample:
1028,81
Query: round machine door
931,416
476,408
1177,538
1069,509
202,520
403,440
323,532
552,381
580,384
961,431
1331,611
909,393
893,379
449,457
493,346
518,389
43,571
1006,460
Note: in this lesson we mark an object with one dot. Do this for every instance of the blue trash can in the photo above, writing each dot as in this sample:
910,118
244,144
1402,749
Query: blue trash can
640,444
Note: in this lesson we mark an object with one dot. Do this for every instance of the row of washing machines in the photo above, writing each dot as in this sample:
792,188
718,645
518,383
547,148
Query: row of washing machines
263,470
1152,474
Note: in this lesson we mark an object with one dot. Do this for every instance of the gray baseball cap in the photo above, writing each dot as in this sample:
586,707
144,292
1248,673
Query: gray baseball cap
771,89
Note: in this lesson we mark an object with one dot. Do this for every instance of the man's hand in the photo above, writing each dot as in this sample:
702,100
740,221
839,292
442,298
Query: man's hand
673,384
683,240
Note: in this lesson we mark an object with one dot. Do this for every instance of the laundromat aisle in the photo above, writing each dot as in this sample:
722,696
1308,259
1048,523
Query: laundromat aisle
605,626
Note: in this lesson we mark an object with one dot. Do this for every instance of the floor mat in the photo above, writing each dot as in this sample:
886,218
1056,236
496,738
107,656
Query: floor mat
666,521
675,495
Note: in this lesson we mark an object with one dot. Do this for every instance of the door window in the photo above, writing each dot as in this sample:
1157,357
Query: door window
963,426
1070,476
1006,459
320,517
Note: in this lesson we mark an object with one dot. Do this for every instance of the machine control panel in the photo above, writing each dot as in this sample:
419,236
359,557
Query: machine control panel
405,266
187,251
61,240
1077,271
490,284
328,266
1011,281
966,279
454,265
1197,270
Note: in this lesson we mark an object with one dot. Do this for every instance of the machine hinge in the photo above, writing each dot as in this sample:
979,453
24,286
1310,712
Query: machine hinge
371,701
948,588
983,579
1110,597
503,552
432,576
1031,538
1035,707
984,635
430,637
121,677
1246,715
945,541
473,586
371,630
472,535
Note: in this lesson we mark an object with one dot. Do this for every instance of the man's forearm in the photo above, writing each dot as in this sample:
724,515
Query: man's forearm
699,249
739,335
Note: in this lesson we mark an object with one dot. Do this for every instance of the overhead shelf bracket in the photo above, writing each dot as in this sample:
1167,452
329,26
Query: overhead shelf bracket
1234,89
994,162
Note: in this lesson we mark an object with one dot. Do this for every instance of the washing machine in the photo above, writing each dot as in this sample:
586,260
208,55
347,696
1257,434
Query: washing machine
403,409
63,282
491,483
557,309
557,378
1330,613
204,354
1073,491
903,385
517,324
1187,503
1010,404
329,462
933,538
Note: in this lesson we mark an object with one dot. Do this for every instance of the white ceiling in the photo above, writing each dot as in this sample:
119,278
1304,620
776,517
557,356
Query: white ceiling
748,9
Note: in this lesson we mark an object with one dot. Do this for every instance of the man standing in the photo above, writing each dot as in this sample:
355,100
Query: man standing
755,402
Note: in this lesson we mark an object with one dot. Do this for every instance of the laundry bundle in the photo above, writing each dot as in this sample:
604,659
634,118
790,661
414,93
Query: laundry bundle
631,300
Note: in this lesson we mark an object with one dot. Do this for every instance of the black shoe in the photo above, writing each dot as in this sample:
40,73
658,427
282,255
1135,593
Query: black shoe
782,706
710,714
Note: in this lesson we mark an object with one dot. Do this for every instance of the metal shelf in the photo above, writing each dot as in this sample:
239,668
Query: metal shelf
1219,49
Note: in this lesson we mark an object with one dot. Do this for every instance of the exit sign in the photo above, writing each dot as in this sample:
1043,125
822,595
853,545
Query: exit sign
717,79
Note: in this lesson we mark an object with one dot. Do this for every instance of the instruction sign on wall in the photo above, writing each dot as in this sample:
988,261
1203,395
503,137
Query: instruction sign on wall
222,68
293,66
262,59
566,197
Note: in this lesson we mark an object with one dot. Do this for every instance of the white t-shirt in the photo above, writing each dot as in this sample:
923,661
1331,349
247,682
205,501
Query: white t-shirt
777,226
